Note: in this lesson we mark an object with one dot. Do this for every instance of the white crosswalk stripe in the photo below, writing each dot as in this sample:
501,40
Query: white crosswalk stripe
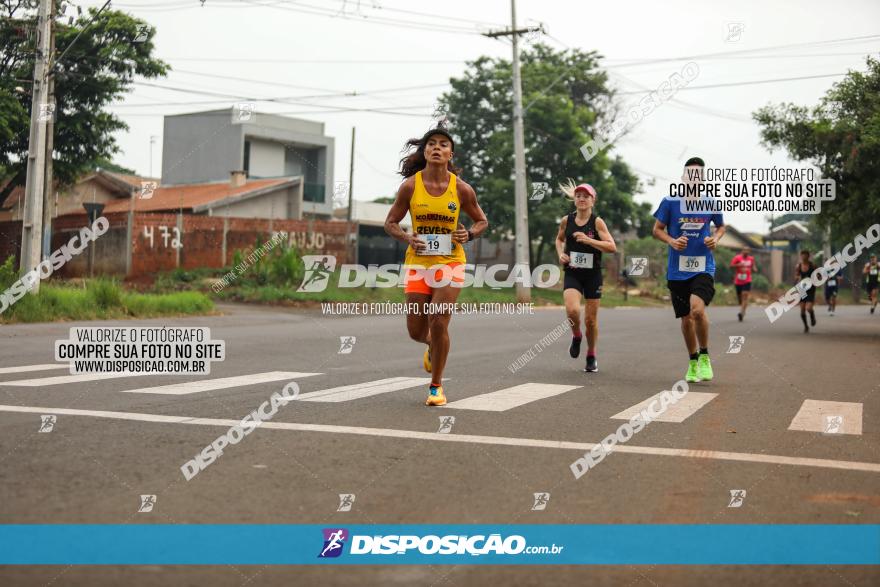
511,397
28,368
361,390
677,412
828,417
221,383
64,379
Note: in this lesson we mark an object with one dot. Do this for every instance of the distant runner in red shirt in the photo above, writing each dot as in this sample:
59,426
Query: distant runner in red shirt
743,265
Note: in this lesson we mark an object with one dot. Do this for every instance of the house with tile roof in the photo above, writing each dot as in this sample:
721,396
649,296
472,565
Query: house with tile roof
238,197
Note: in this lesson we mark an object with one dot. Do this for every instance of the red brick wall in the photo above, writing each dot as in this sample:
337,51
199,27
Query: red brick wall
201,239
10,240
109,248
157,241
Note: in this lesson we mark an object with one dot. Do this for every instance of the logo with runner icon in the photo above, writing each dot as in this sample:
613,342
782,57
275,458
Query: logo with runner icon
452,207
539,190
737,497
319,268
736,344
334,542
147,503
47,422
346,500
541,501
833,425
446,423
346,344
637,266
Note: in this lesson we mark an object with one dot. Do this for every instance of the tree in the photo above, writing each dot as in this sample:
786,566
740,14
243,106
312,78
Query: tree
108,165
566,98
841,137
97,70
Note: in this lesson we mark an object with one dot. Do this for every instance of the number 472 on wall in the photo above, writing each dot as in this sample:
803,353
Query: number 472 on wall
176,243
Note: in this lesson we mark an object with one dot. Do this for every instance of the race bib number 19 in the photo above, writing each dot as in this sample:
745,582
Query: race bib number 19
436,244
581,260
692,264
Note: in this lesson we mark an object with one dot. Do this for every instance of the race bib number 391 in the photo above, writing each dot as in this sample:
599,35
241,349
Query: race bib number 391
581,260
692,264
436,244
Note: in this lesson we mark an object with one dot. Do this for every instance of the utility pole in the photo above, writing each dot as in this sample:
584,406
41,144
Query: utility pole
50,199
521,226
152,142
350,247
35,183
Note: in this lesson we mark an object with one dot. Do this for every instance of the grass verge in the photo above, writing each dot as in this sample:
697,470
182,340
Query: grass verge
102,299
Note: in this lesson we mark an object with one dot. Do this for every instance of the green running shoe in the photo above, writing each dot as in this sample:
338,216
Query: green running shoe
704,368
691,376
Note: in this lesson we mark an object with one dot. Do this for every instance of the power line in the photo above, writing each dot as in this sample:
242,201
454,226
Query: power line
643,60
276,100
746,83
185,4
320,61
441,16
679,103
859,39
331,92
302,8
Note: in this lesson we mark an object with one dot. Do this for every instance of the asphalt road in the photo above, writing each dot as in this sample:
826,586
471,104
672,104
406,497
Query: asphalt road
92,468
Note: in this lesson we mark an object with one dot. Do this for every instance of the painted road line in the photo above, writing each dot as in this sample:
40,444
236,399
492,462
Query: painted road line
63,379
360,390
220,383
511,397
26,368
466,438
677,412
828,417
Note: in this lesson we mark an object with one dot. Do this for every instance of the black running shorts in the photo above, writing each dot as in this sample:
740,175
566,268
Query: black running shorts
589,283
701,285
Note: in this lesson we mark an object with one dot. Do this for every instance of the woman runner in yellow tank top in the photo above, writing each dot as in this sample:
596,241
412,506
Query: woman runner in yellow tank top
434,197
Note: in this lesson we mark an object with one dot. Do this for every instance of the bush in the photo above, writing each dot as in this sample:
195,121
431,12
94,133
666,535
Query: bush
105,293
8,273
287,266
760,283
654,250
280,266
723,270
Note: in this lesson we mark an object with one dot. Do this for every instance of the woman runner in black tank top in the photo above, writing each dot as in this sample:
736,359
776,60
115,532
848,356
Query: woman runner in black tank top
577,250
581,240
872,282
804,270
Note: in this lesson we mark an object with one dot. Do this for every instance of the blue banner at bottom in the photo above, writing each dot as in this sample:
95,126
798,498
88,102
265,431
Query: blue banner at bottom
254,544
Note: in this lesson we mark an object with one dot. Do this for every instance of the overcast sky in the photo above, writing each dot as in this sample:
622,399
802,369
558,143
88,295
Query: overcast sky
289,49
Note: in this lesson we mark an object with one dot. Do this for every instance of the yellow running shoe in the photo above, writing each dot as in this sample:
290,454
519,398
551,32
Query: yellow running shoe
426,360
435,396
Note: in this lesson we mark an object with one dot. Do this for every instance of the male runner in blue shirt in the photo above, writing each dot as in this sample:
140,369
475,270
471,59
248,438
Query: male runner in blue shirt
690,268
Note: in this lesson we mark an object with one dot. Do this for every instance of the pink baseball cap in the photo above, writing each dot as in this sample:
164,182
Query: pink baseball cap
586,187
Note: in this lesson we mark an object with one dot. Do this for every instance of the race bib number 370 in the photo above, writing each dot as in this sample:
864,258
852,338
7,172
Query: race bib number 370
436,244
692,264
